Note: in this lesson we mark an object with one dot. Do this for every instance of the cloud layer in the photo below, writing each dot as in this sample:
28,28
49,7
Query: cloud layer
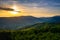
40,8
7,9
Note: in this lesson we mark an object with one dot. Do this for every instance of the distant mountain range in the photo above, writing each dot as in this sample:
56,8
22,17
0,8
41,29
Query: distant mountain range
19,22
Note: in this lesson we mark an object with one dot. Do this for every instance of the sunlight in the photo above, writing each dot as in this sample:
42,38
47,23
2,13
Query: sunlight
15,10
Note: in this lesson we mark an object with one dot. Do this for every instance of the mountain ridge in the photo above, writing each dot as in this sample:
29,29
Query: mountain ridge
19,22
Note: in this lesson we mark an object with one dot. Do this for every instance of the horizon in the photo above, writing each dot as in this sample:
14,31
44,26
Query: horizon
29,16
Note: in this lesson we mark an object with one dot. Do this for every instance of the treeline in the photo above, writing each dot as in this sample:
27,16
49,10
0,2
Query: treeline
39,31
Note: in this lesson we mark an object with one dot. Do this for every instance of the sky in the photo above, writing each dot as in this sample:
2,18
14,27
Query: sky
36,8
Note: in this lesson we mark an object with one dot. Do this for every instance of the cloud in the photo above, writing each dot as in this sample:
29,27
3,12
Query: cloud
7,9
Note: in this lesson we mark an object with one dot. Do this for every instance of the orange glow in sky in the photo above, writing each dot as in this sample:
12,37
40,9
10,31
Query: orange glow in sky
28,11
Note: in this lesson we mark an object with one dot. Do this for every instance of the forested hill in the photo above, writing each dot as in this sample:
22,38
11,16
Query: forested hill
39,31
45,31
44,27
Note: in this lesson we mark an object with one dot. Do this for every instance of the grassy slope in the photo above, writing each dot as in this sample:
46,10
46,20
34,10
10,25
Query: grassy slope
45,31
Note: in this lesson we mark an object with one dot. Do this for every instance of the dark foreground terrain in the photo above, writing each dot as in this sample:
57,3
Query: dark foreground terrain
45,31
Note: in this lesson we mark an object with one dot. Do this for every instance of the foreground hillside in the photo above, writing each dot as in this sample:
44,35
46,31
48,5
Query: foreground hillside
45,31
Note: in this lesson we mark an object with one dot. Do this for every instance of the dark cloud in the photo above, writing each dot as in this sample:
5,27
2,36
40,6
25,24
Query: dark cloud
7,9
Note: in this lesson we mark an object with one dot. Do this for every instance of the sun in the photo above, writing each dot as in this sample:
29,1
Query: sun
16,11
13,12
